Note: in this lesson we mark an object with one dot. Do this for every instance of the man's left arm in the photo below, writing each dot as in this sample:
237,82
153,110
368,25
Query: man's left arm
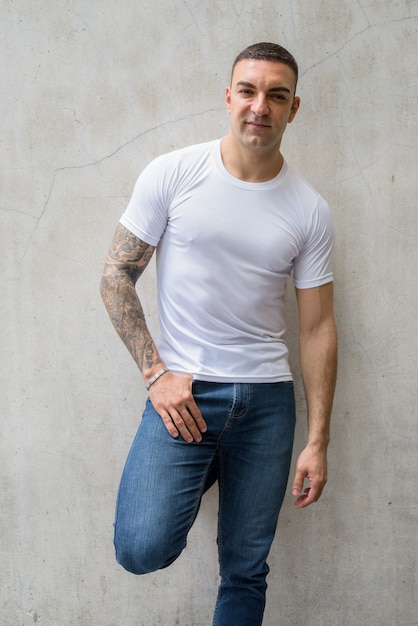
318,361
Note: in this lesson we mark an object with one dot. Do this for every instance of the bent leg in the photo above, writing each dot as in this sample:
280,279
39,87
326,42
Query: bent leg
159,496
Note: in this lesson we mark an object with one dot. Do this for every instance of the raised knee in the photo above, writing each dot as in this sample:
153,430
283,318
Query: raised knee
137,558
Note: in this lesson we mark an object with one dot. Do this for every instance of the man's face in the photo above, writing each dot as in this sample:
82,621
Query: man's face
261,103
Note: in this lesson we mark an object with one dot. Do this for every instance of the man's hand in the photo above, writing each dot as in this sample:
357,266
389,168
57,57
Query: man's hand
312,465
172,398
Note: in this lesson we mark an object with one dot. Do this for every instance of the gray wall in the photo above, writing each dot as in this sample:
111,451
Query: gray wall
90,92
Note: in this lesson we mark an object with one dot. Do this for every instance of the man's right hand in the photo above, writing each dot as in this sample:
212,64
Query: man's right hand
172,398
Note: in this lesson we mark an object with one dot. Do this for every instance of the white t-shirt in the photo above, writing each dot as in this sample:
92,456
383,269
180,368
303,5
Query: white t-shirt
224,250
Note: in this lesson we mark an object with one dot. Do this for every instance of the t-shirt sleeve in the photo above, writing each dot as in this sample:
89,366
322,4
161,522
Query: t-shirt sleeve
313,265
147,211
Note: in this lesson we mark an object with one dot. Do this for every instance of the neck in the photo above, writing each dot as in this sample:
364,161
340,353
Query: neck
251,165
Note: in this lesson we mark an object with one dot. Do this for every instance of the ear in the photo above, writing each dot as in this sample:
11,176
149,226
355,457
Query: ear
228,99
294,109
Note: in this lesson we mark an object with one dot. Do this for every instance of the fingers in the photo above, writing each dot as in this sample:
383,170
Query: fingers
298,483
183,424
311,466
172,398
303,496
308,496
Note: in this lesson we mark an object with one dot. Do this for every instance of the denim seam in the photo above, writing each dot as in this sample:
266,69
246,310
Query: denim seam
199,498
247,388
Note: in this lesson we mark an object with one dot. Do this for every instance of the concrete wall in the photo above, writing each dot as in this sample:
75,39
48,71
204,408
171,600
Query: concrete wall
90,92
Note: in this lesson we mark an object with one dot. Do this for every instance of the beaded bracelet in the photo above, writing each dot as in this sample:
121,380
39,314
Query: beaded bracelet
156,377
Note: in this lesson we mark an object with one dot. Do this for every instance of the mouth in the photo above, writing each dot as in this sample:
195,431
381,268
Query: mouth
257,125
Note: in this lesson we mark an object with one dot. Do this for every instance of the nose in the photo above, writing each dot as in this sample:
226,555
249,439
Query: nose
259,106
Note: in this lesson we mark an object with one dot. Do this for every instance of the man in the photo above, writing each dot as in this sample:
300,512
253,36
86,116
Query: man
230,220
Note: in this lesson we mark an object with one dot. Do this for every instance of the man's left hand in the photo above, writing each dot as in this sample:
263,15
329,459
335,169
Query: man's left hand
311,465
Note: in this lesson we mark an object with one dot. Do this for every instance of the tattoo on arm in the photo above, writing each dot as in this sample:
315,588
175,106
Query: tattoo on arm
127,259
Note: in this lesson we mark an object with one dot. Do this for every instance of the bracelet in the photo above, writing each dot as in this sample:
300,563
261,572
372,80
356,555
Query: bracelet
156,377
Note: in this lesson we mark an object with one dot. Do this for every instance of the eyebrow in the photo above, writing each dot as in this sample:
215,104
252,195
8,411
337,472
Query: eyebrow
244,83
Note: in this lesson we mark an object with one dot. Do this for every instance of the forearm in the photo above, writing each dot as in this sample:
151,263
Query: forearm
127,316
318,358
126,260
171,394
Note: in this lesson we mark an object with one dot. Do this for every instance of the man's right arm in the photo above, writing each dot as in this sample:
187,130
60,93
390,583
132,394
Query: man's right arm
126,260
171,395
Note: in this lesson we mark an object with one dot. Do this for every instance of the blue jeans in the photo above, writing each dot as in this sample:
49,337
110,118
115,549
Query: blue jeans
249,443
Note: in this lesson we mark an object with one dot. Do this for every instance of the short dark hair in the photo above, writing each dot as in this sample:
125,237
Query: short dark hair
268,52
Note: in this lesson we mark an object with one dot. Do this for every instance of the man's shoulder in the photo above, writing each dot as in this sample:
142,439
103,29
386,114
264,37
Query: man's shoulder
297,178
303,188
189,152
183,167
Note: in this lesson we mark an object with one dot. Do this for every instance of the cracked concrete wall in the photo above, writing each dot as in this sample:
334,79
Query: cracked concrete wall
91,91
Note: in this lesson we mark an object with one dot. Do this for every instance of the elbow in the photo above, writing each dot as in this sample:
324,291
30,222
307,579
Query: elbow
105,288
114,287
324,329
